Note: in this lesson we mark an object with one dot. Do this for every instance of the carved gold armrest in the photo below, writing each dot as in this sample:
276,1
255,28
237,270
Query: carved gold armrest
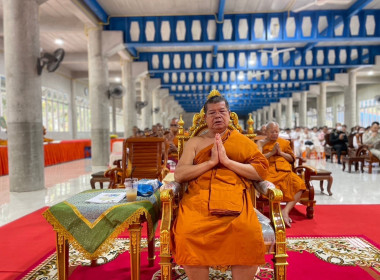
275,197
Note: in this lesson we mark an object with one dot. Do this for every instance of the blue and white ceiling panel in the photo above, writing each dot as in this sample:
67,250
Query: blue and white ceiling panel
254,52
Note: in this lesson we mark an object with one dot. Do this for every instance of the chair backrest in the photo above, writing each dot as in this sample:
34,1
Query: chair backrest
351,141
327,139
148,157
199,126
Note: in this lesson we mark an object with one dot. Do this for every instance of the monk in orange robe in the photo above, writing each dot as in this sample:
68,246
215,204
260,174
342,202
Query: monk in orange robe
280,156
219,166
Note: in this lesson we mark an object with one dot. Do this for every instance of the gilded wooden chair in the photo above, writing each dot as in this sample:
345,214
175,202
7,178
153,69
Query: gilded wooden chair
369,158
146,159
273,228
305,172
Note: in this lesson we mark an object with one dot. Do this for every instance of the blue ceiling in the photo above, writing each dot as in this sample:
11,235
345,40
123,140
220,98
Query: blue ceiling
230,58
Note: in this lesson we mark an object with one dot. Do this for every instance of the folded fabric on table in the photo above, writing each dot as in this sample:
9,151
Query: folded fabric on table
146,187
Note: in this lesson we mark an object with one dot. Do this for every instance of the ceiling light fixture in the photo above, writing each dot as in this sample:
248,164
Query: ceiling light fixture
370,73
117,80
59,42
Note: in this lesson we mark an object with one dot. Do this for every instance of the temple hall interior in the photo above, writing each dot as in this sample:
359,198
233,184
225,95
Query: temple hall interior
79,77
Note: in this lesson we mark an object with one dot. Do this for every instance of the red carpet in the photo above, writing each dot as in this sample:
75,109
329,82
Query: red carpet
29,240
23,243
334,220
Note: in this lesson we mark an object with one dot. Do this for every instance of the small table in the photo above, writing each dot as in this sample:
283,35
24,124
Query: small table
352,159
323,175
92,227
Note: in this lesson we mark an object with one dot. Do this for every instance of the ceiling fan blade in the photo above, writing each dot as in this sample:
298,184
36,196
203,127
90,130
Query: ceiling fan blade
286,50
304,7
342,2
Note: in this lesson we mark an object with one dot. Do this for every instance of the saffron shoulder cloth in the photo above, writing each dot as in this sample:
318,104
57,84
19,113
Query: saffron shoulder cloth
226,187
91,227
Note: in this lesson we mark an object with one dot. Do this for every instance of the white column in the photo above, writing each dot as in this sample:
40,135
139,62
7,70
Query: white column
113,103
144,95
165,112
265,114
129,99
24,109
155,106
99,102
289,113
279,114
350,111
270,112
303,109
259,119
321,105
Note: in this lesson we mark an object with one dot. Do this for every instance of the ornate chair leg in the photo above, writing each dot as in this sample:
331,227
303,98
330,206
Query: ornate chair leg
62,257
151,249
134,249
310,211
321,185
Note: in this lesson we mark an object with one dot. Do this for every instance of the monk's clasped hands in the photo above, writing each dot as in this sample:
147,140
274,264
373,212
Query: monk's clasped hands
218,152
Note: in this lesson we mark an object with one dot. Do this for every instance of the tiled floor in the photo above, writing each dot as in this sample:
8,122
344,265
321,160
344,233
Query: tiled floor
65,180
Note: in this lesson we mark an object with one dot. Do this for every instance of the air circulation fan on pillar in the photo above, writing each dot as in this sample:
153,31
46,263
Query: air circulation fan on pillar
115,91
139,105
51,61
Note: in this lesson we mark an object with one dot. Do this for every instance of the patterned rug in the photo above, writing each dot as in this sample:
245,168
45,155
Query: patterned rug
341,251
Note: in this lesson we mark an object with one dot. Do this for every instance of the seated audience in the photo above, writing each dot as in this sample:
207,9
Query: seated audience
307,142
281,157
216,227
295,136
339,141
372,140
172,140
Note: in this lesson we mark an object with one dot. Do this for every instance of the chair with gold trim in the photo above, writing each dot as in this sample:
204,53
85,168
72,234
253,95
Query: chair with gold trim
273,228
146,159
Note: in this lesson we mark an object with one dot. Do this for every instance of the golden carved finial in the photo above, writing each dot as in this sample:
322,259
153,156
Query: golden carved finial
213,93
250,124
180,125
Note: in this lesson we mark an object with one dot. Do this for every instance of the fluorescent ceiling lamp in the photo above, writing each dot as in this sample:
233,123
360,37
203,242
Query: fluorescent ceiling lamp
59,42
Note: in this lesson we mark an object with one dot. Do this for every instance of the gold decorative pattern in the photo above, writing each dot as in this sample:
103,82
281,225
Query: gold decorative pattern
107,244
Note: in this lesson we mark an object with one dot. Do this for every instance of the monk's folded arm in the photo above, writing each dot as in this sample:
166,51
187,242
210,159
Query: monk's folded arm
187,172
245,170
288,157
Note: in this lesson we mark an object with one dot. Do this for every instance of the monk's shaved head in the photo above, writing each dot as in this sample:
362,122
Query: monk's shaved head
270,125
272,131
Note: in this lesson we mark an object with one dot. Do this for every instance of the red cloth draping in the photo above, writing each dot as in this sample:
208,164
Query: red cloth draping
3,161
54,153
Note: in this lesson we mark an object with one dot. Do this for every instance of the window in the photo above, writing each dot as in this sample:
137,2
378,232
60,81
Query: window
83,114
3,100
329,117
369,112
55,110
340,112
312,118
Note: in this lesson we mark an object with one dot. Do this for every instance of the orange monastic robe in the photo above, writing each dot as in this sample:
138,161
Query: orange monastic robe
280,171
209,240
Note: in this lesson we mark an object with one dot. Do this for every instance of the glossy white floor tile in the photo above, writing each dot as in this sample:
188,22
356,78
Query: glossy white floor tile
65,180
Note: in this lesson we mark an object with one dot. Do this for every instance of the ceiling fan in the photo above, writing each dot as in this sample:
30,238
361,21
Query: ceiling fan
276,52
321,3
